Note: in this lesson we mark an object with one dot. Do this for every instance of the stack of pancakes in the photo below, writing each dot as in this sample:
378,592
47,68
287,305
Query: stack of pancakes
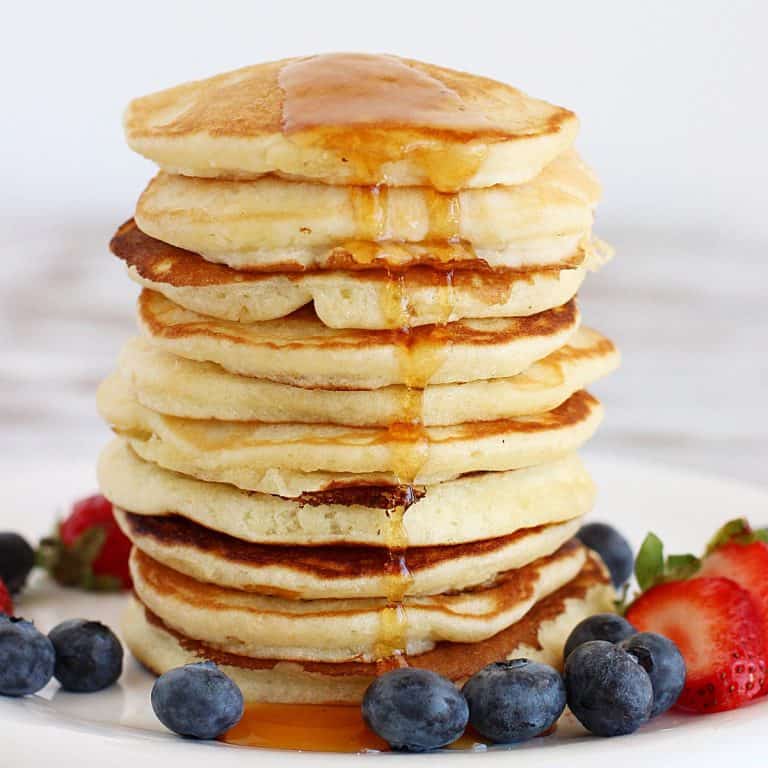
347,432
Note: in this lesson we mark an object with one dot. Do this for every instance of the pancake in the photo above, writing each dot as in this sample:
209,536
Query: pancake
335,571
276,225
540,635
471,508
175,386
301,351
247,453
370,299
268,627
351,119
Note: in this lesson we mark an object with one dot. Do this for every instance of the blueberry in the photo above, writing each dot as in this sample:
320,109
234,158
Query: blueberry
17,559
26,658
415,710
514,700
663,662
601,626
608,691
612,547
197,700
88,655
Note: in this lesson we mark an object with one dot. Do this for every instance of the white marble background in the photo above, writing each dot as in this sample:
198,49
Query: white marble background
673,111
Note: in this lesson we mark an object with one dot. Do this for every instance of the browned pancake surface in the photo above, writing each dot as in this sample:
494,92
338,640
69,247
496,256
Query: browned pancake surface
325,561
509,589
161,262
455,661
153,306
337,92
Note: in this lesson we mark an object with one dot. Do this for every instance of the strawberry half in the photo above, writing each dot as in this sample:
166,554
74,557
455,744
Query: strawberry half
717,628
88,550
747,565
6,604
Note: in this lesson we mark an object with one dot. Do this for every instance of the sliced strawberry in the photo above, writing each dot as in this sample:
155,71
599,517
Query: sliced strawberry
717,628
747,565
89,550
6,604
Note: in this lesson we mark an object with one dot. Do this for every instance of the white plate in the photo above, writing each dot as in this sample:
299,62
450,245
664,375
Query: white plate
117,728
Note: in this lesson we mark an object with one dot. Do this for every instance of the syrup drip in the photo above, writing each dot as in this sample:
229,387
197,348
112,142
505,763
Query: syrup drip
393,623
316,728
409,446
373,111
376,218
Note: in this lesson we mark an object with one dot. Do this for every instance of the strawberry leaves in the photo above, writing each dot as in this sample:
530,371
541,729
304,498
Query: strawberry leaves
72,565
739,531
649,563
651,567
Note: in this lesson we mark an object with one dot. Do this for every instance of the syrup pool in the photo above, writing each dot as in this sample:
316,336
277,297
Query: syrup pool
315,728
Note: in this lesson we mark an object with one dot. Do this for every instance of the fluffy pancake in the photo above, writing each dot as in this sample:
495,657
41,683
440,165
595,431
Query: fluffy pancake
173,385
471,508
540,635
248,454
301,351
351,119
268,627
334,571
272,224
342,299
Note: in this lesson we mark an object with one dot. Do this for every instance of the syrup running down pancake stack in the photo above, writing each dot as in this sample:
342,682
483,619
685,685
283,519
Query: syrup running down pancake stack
346,435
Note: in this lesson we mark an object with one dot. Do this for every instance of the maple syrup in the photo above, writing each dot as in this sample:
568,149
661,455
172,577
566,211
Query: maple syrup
409,447
375,111
317,728
392,638
311,727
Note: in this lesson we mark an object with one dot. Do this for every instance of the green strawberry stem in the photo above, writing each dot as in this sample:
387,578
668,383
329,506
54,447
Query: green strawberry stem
72,566
652,567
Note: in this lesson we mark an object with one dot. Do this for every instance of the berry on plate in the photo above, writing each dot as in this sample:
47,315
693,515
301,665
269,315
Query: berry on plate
26,658
6,604
515,700
17,558
88,655
601,626
613,548
608,691
89,550
663,662
197,701
741,555
717,628
415,710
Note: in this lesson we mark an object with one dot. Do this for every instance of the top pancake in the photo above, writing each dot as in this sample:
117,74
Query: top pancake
350,118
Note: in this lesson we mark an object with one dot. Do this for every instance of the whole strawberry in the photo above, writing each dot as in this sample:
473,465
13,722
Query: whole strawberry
6,604
88,549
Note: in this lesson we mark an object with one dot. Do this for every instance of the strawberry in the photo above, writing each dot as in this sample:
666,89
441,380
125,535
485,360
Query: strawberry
716,626
744,561
740,554
88,550
6,604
